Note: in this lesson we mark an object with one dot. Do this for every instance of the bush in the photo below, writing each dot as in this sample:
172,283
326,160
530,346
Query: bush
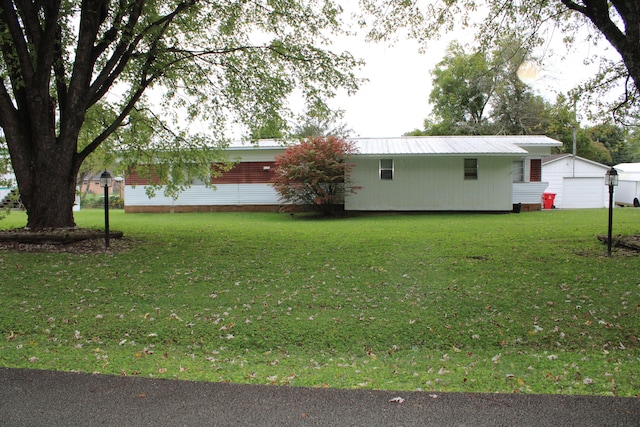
97,202
315,172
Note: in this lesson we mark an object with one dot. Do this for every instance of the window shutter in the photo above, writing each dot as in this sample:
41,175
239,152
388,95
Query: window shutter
536,170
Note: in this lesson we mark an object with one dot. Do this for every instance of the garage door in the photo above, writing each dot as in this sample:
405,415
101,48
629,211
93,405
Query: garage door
583,193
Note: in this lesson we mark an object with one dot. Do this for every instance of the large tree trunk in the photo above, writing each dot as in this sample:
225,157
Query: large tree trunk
47,187
45,167
41,121
50,205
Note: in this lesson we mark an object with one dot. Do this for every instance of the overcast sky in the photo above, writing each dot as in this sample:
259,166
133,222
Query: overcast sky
395,99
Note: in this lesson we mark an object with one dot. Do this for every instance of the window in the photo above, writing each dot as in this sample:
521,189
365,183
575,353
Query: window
386,168
536,170
470,168
518,171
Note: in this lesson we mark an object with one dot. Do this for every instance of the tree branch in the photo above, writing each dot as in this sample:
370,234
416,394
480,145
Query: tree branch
23,60
59,71
90,148
575,6
8,113
29,15
598,12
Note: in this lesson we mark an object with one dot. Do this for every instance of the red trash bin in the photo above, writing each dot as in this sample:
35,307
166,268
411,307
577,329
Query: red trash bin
547,200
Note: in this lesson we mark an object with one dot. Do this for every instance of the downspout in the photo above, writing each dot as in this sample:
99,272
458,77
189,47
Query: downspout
575,131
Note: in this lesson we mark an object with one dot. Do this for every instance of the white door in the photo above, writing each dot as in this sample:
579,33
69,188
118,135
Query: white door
583,193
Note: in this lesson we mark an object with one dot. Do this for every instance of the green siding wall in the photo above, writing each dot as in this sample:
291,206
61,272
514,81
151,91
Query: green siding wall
432,184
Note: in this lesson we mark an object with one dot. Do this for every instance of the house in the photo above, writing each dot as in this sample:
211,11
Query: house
448,173
91,185
627,193
246,187
576,182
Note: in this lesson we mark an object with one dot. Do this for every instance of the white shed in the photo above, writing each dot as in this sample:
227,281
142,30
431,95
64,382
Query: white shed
575,181
628,191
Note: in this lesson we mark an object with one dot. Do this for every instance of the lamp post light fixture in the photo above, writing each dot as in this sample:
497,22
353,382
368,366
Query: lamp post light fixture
105,182
611,180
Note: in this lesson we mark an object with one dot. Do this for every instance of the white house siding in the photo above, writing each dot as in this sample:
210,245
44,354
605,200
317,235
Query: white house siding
432,184
529,193
578,184
199,195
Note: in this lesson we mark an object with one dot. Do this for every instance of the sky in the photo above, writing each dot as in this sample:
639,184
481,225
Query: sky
395,99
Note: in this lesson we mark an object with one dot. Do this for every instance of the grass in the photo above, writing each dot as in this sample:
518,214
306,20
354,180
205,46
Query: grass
524,303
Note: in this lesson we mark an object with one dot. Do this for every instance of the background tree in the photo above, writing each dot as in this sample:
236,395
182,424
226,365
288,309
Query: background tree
562,126
480,93
633,139
324,124
515,109
214,61
462,88
615,139
276,128
315,172
313,123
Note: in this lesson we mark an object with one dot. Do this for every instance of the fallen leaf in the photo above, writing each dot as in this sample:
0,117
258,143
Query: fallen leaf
397,400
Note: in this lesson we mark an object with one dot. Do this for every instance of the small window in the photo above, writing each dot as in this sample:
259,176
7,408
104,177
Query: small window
470,168
386,168
518,171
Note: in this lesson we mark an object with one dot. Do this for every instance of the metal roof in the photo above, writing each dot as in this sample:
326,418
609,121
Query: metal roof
628,167
531,140
506,145
556,157
261,144
439,145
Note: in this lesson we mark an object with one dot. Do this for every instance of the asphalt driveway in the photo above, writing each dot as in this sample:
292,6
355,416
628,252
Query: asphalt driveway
45,398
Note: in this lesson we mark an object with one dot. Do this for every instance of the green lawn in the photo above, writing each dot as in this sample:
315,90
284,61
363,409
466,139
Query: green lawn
446,302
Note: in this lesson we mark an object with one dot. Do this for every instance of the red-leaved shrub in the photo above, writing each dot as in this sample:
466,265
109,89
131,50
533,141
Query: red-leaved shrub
315,172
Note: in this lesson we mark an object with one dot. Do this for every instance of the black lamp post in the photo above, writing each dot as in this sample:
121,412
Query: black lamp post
611,180
105,182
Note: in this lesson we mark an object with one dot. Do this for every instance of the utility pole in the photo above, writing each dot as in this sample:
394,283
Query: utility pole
575,135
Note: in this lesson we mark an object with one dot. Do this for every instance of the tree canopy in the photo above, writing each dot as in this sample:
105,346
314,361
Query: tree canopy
462,88
209,63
